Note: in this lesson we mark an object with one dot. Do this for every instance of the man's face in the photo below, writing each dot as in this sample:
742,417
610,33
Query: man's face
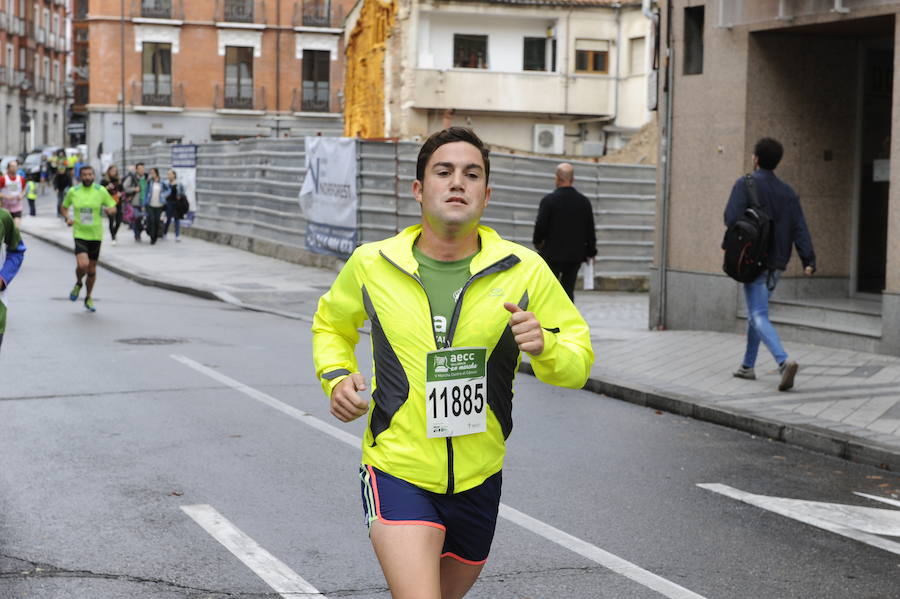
140,170
87,176
454,192
11,168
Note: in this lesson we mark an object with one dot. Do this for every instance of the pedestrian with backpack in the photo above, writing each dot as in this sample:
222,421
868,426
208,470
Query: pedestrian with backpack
764,219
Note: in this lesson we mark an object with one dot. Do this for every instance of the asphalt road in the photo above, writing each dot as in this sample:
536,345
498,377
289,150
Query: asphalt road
113,424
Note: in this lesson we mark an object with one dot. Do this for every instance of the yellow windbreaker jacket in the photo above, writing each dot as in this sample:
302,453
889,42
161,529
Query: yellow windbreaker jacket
379,283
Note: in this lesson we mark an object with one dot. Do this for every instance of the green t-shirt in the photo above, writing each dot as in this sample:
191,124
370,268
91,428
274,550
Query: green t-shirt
87,204
443,283
9,239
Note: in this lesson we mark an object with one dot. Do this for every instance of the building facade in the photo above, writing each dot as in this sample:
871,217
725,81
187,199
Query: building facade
33,50
190,71
545,76
819,76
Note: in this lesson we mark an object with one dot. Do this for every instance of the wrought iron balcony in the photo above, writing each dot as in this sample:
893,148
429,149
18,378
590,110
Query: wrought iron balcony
158,9
232,96
241,11
161,94
317,13
311,100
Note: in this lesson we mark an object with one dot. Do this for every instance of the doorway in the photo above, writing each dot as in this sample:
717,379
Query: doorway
874,167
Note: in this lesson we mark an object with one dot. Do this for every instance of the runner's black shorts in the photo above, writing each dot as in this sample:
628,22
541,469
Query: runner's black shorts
88,246
16,214
468,519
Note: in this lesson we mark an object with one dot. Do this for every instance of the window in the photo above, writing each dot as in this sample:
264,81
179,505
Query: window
535,54
316,75
636,55
470,51
157,74
693,40
592,56
238,77
56,23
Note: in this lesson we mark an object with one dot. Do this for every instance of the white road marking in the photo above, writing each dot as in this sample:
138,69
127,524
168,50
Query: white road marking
861,524
886,500
597,555
583,548
273,571
270,401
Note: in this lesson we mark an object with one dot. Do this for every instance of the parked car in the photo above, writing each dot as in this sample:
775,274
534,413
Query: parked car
32,165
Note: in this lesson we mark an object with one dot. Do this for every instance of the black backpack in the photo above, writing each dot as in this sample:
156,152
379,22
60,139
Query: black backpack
748,241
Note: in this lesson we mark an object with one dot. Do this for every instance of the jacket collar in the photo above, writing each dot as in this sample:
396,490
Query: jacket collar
398,249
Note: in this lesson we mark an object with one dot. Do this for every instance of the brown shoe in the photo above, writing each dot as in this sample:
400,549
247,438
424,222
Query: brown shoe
788,371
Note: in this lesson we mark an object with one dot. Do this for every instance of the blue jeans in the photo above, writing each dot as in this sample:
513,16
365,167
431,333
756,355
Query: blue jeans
759,328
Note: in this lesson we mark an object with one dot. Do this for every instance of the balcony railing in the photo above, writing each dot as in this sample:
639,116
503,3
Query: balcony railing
162,94
240,97
3,75
311,100
3,20
40,34
158,9
241,11
317,13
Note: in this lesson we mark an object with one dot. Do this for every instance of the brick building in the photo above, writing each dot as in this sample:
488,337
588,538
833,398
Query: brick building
33,49
195,71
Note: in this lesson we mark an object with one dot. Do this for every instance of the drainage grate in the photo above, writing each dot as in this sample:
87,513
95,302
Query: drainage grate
152,341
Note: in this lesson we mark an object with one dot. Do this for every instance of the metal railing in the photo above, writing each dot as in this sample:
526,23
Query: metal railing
159,94
232,96
241,11
158,9
308,102
317,13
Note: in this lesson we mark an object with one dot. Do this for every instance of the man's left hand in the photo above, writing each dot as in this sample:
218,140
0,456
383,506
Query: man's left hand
526,328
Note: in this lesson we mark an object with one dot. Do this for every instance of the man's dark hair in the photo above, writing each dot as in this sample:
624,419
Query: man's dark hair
137,164
769,153
446,136
86,167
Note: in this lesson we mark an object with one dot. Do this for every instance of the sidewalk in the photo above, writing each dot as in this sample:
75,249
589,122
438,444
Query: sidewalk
844,403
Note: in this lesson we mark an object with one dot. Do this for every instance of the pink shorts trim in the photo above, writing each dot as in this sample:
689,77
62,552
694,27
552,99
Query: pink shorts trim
463,560
384,520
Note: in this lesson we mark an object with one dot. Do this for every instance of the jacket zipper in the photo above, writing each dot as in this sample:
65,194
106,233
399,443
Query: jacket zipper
451,482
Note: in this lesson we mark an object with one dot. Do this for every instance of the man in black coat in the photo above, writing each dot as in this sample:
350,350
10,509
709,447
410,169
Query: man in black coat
564,231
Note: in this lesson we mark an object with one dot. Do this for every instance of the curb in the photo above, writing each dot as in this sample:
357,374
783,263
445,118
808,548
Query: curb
809,437
806,436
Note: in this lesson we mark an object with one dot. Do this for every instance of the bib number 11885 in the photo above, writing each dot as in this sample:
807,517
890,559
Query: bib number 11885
455,392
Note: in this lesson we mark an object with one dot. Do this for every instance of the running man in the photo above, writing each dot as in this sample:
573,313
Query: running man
451,306
12,190
11,242
87,200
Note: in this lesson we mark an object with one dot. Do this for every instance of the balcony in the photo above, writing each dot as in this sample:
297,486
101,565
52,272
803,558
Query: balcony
528,92
23,80
159,96
239,99
311,99
40,35
158,9
3,75
3,20
241,11
747,12
317,13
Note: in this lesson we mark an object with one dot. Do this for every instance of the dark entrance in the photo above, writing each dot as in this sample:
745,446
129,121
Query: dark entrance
875,144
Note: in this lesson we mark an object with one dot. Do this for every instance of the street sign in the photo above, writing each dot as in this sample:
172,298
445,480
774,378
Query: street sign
76,128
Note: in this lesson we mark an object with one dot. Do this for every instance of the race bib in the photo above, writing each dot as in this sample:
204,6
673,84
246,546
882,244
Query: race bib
456,391
86,216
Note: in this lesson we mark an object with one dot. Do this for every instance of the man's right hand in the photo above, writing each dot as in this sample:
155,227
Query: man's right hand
346,404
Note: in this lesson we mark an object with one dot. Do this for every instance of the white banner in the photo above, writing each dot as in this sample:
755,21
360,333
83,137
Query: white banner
328,196
184,163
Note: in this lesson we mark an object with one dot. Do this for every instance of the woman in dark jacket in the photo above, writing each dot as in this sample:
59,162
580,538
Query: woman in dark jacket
113,185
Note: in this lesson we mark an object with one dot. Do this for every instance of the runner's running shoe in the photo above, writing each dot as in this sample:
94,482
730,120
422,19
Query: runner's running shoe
73,295
89,304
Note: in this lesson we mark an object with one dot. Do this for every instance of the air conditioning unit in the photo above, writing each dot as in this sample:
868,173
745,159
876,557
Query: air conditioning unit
549,139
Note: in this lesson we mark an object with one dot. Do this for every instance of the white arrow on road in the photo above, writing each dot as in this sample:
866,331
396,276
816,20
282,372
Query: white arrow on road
853,521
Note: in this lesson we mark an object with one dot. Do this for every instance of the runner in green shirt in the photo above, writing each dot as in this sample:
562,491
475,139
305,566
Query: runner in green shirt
12,251
87,201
